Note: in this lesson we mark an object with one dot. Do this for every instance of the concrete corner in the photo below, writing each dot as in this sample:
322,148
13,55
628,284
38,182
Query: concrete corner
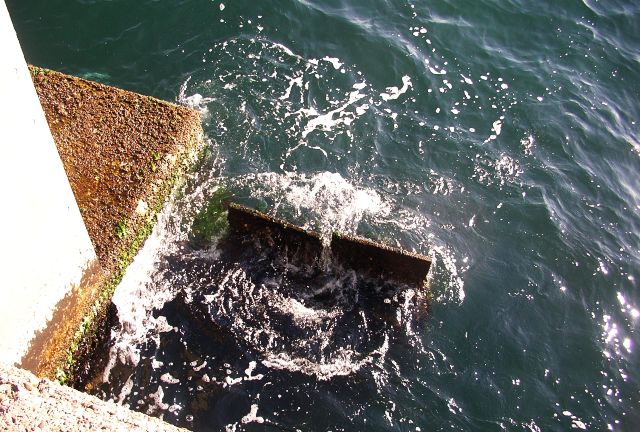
44,247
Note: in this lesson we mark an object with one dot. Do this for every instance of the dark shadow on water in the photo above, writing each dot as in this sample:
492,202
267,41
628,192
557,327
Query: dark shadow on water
253,327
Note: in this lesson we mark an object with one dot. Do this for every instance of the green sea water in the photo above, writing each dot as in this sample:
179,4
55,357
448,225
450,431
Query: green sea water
498,136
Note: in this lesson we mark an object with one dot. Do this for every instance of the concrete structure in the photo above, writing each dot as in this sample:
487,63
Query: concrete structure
28,403
122,153
53,285
44,247
368,258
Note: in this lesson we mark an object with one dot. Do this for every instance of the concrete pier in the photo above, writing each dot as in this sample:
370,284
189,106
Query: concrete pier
98,180
45,250
122,153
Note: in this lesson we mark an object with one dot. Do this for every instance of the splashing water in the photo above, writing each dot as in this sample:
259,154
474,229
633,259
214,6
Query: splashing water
500,138
281,318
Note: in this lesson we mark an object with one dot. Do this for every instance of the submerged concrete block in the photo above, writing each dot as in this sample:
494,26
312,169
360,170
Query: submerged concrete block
380,260
296,242
368,258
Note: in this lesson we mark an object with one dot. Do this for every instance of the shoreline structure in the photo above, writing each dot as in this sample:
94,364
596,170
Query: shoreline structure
86,169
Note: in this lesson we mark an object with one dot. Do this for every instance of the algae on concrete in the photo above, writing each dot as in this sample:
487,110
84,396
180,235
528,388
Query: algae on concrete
211,220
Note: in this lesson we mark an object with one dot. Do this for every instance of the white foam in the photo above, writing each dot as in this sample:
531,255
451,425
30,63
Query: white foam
497,127
303,314
436,71
472,221
329,120
292,81
330,201
395,92
195,101
252,416
168,378
157,400
528,144
507,169
337,64
343,362
136,297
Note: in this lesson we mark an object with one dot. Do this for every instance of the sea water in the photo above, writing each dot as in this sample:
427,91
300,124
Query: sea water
498,137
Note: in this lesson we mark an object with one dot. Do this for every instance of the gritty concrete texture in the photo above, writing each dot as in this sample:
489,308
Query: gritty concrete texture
28,403
44,246
122,153
119,150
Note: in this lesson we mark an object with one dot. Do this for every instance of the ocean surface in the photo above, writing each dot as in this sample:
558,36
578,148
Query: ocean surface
500,137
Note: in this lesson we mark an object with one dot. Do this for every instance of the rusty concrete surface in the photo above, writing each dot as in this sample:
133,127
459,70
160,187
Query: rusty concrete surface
373,259
118,149
294,242
122,153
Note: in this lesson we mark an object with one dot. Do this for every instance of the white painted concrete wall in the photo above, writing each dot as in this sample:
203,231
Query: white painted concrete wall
44,246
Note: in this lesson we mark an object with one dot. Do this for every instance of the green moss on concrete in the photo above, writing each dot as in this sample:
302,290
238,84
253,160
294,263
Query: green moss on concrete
121,229
35,71
89,330
211,221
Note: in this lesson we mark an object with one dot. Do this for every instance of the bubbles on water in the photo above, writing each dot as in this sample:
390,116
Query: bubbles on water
393,93
262,92
293,123
288,319
290,334
446,270
324,202
501,171
195,101
507,169
528,144
138,295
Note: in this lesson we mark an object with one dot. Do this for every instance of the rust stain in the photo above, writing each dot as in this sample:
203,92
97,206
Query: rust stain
114,145
118,148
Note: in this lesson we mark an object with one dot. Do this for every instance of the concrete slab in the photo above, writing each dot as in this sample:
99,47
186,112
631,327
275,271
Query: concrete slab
297,243
28,403
374,259
122,152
